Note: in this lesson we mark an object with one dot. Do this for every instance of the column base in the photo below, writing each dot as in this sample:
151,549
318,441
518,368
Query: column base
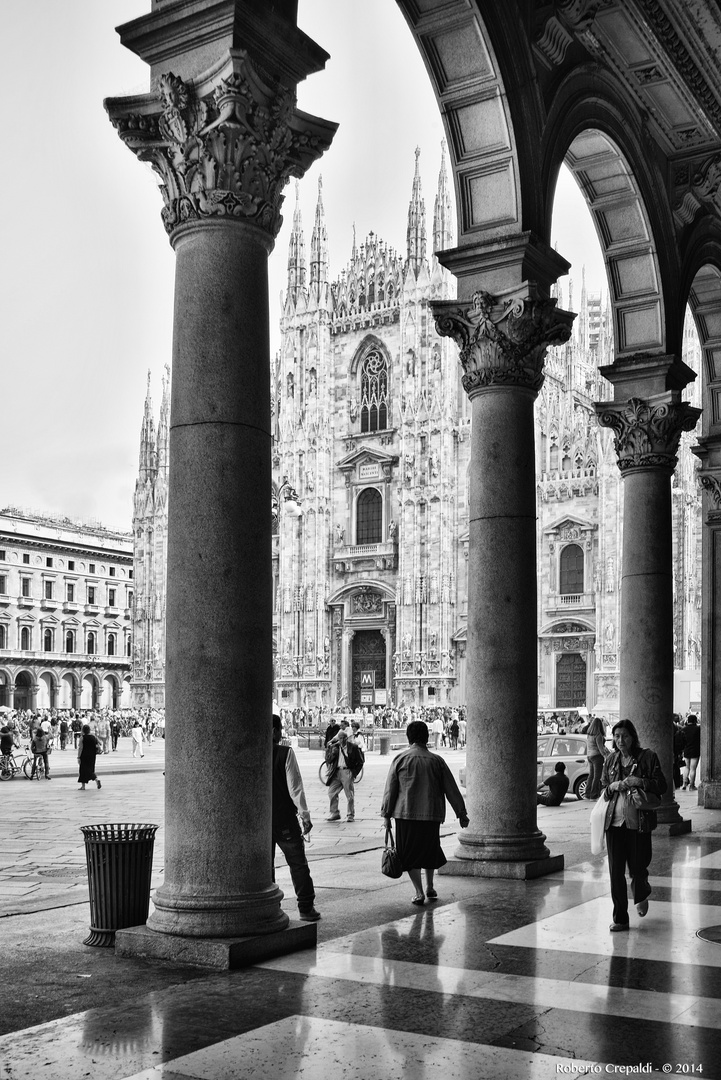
503,868
710,795
207,917
220,954
670,822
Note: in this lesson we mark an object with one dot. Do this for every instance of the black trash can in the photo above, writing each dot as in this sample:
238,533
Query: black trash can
120,864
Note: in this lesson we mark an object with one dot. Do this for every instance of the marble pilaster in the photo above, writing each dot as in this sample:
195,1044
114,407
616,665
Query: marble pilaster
224,144
647,431
709,452
502,341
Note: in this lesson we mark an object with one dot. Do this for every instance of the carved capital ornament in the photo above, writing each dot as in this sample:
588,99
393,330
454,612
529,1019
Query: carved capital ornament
503,340
224,146
647,433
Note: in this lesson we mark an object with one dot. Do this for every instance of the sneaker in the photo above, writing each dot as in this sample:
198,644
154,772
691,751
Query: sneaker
683,787
691,787
310,916
333,817
642,908
48,777
618,926
350,819
99,784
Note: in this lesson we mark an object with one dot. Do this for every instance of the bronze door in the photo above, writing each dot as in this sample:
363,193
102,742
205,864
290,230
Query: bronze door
570,681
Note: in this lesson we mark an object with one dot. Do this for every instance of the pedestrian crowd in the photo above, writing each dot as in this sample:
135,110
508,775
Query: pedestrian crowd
446,724
87,732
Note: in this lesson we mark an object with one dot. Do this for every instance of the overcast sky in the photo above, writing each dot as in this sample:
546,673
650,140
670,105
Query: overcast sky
86,276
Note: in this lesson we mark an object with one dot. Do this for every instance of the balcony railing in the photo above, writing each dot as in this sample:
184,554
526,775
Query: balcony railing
26,601
564,601
348,556
48,604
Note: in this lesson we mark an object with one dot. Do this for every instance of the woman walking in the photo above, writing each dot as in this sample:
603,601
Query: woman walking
627,769
417,787
87,753
691,751
596,752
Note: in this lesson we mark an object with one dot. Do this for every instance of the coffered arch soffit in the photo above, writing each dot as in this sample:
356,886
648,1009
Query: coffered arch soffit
604,144
493,139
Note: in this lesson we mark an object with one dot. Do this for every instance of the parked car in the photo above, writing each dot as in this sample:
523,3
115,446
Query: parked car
571,750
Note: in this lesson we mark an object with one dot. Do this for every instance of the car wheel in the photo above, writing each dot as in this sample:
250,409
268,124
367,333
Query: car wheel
579,788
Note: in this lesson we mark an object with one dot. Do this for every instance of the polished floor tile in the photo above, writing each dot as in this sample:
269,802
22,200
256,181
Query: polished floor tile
667,933
317,1049
573,996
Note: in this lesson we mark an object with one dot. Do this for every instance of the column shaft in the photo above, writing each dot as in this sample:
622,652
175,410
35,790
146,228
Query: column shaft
502,649
219,593
646,693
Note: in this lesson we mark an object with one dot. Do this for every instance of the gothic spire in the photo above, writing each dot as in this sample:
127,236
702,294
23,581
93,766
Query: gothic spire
147,439
163,422
296,253
416,234
319,249
443,209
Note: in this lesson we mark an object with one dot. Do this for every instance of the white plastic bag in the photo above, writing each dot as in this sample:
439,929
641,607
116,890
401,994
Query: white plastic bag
597,821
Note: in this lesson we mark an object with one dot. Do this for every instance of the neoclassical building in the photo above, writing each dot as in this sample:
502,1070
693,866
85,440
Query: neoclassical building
66,596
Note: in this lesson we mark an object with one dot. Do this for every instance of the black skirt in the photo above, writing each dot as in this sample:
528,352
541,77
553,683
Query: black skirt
419,844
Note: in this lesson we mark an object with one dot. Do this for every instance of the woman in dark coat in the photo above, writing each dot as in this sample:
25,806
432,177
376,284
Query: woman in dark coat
691,751
417,787
87,752
628,767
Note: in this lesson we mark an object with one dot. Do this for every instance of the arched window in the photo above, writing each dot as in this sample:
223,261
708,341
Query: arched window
128,646
3,637
111,644
374,392
70,641
571,569
48,641
369,517
91,643
25,639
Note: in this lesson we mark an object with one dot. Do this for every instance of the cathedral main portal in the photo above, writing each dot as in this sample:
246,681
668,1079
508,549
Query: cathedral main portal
571,681
369,655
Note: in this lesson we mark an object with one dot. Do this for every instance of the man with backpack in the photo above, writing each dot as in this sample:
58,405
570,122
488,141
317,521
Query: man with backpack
345,761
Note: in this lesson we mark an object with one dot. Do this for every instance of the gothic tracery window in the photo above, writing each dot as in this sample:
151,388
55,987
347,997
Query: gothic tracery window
571,569
374,392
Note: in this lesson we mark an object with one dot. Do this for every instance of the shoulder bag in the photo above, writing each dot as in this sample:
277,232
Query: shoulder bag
645,803
390,859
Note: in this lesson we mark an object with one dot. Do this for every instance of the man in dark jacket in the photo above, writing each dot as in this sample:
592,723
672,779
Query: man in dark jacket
288,803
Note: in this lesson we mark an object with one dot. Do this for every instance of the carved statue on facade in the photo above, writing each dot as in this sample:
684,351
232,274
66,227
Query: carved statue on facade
407,643
392,529
408,465
339,534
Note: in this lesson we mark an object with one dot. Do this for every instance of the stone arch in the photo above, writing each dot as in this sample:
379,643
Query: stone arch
701,289
602,142
492,115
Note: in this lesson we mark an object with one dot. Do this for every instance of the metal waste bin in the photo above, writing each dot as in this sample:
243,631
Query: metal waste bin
384,742
120,864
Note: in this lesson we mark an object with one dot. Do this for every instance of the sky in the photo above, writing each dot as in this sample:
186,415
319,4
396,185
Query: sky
87,273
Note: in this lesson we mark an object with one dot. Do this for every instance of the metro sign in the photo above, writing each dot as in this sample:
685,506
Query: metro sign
368,678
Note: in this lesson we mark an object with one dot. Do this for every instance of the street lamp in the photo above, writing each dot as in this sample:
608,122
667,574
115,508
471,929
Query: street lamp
291,500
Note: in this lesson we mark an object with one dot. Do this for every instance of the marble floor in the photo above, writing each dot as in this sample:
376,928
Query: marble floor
514,980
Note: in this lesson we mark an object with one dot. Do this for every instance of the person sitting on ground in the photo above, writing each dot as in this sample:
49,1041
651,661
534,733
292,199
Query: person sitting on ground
557,787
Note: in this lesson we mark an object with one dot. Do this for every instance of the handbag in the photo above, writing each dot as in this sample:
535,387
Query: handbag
390,859
645,803
597,822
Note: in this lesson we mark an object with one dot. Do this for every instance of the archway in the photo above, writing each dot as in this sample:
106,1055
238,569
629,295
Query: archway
46,691
23,698
68,690
88,693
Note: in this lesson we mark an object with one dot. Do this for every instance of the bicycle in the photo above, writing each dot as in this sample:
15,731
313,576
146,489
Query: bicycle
27,765
8,767
325,768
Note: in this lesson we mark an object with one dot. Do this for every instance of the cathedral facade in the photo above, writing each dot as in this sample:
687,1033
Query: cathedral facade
370,493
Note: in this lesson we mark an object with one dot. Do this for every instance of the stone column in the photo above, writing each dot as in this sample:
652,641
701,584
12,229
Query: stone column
709,451
647,433
224,146
503,341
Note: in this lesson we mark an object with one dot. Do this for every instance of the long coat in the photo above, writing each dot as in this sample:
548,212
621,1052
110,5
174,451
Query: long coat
87,752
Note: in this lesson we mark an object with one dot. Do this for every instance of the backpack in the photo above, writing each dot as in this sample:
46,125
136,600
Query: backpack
355,758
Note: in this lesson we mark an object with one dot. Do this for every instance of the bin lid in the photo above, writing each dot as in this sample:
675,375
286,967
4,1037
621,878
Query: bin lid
115,832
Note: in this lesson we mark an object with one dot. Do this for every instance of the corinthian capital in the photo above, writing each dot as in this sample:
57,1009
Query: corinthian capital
647,433
503,339
224,145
